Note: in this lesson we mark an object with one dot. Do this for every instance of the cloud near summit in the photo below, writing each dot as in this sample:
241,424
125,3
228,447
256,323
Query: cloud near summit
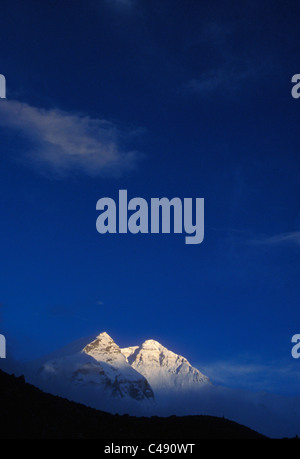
64,142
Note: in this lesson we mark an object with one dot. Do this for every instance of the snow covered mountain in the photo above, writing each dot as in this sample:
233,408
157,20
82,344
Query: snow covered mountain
97,368
163,369
95,371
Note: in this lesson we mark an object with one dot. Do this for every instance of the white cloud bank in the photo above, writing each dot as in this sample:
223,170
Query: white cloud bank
68,142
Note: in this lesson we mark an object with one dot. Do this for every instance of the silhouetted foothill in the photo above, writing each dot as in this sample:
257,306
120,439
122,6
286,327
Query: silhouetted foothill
28,412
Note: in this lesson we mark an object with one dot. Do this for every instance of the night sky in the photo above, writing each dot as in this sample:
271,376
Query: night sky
163,98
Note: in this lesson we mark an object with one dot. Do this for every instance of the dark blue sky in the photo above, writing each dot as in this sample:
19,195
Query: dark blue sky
162,98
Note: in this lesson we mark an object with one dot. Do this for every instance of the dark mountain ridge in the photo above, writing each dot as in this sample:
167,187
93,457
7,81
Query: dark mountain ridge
27,412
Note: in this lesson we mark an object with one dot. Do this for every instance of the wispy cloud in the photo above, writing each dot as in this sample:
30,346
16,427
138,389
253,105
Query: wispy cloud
253,376
230,67
279,239
218,80
66,142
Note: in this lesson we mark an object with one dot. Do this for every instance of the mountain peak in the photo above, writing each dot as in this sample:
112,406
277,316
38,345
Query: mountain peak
151,343
104,335
104,349
163,368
